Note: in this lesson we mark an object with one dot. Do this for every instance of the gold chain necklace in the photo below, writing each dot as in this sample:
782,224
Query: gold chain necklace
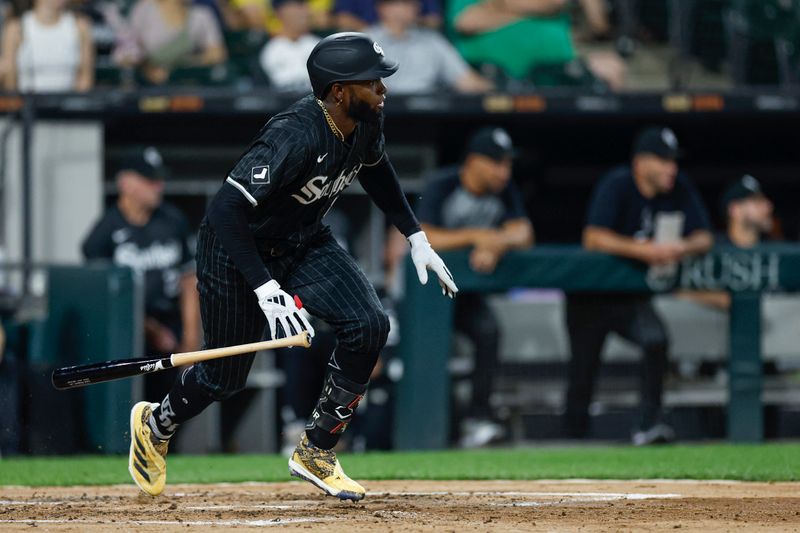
334,128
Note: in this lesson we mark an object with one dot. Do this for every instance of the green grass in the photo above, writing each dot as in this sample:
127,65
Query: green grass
769,462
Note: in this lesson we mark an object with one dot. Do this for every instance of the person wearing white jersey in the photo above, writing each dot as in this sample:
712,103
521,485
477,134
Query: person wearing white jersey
48,49
284,56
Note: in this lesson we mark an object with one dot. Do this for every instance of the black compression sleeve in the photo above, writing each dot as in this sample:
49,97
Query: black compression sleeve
383,187
226,214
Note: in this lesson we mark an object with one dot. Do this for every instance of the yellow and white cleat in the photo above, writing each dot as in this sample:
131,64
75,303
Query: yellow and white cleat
322,468
146,461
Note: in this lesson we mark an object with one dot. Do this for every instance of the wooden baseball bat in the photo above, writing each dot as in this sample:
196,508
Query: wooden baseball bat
71,377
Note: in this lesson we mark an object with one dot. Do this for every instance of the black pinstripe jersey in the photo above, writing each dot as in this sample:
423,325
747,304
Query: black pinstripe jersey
295,169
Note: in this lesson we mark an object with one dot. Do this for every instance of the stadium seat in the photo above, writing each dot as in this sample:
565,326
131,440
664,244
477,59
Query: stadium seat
761,36
217,75
107,76
570,74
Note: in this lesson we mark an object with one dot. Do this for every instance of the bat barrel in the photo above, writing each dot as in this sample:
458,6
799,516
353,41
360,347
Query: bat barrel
77,376
80,375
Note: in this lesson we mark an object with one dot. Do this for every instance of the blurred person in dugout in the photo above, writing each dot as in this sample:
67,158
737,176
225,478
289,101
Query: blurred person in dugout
429,61
48,49
650,212
476,205
748,213
153,238
748,220
284,56
358,15
538,32
11,381
163,35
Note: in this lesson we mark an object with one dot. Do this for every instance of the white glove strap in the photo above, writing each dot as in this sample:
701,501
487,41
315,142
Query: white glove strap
417,239
266,290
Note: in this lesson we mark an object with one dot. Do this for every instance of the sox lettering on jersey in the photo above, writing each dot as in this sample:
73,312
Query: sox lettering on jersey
316,188
156,256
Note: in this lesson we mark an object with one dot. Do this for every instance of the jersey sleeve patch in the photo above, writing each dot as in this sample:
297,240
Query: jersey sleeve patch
259,175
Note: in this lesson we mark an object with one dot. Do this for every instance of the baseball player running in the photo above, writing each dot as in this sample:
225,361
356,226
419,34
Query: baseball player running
262,244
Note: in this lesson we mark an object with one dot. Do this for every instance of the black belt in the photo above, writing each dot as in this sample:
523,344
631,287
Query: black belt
280,250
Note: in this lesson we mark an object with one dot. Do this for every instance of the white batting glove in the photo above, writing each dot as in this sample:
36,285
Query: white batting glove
425,258
280,308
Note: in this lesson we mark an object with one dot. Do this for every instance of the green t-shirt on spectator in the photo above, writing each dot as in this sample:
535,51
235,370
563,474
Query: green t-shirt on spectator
517,47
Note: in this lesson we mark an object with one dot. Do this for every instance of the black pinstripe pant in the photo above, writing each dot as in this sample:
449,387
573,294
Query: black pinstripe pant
327,280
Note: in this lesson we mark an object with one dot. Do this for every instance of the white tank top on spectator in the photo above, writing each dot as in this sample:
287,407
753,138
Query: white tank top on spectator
48,58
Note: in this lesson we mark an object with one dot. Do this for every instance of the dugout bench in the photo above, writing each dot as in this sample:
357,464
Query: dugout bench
423,395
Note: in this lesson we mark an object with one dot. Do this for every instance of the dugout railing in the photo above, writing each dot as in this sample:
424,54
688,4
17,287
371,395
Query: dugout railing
423,396
65,315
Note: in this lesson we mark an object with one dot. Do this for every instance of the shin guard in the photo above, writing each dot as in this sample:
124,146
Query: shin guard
334,411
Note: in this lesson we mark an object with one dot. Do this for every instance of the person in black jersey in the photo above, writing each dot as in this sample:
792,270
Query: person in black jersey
263,239
749,220
476,205
153,238
627,208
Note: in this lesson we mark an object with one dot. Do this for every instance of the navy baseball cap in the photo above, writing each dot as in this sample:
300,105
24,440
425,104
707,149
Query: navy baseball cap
745,187
660,141
493,142
146,161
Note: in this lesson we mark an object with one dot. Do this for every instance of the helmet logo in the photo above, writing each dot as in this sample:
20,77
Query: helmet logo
377,48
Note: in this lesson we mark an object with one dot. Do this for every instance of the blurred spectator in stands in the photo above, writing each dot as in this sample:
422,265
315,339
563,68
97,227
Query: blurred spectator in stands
526,40
477,206
229,17
153,238
5,9
48,49
104,17
429,61
358,15
284,56
629,206
595,13
261,15
748,214
168,34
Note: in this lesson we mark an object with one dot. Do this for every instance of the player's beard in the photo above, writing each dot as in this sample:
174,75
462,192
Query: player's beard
361,111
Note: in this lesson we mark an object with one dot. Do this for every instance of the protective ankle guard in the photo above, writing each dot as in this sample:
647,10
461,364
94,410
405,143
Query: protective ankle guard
336,404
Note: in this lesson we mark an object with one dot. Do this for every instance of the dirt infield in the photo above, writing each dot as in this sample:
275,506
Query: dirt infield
413,506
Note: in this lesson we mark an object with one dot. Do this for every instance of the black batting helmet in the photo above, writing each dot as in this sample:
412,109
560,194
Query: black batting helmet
346,56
